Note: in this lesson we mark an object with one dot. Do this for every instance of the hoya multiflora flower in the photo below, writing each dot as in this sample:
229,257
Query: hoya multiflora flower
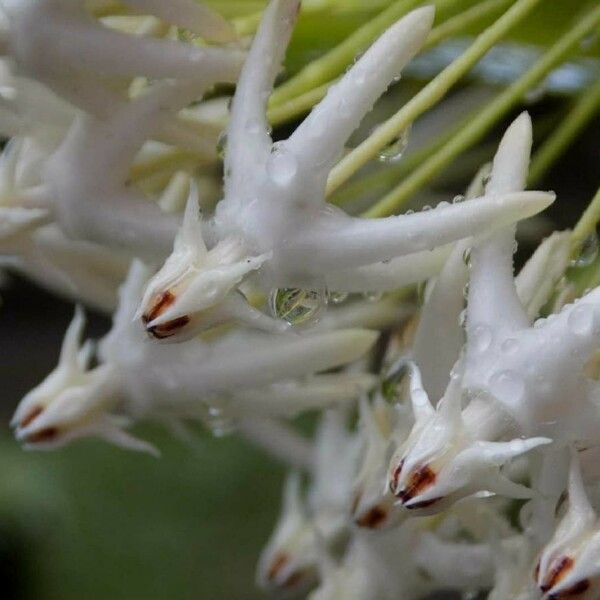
274,205
73,402
192,291
568,566
453,452
239,375
468,401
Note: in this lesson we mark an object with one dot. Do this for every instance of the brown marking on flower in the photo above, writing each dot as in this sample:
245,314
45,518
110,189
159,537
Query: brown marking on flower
279,561
536,571
168,329
373,518
43,435
158,307
31,415
558,571
160,303
575,590
418,482
396,477
295,579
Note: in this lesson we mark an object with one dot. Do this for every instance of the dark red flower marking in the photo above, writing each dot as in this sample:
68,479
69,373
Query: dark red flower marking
158,307
575,590
558,571
396,477
372,518
31,415
43,435
418,482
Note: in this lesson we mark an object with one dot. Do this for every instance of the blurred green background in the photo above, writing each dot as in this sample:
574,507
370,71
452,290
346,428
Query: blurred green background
95,522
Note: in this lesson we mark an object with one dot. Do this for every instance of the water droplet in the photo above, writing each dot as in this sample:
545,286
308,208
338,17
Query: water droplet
282,165
426,208
457,199
466,256
297,306
253,126
419,398
462,318
509,346
588,251
481,338
515,247
508,385
393,153
588,41
373,296
581,320
222,145
422,292
188,36
466,291
337,297
218,422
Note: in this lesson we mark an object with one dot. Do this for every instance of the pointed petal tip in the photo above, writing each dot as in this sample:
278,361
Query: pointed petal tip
416,24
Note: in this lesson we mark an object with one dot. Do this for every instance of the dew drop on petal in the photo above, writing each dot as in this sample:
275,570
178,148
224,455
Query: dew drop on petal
222,145
481,338
338,297
218,422
373,296
253,126
509,385
457,199
509,346
581,320
588,251
419,398
297,306
282,165
393,153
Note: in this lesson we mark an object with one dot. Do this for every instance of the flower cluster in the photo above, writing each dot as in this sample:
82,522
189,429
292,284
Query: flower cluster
483,394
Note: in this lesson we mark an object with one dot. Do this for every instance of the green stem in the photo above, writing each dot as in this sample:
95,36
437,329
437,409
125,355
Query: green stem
382,179
297,106
584,108
587,224
294,107
432,93
464,20
248,24
333,63
490,115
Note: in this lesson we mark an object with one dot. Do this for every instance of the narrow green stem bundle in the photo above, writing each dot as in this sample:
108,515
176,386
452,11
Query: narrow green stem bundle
485,119
432,93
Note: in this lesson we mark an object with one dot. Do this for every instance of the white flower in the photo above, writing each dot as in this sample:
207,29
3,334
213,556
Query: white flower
373,503
274,193
569,565
452,453
72,402
191,292
240,375
292,556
